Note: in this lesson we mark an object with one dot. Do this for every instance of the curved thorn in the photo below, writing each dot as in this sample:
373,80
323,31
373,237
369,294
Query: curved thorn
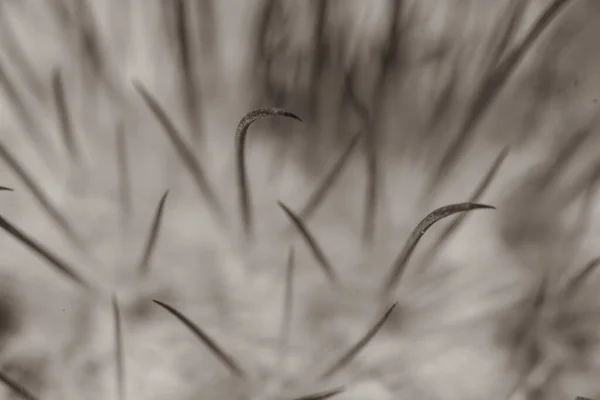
186,155
119,352
4,188
242,177
475,197
226,359
143,265
401,261
60,265
16,387
311,242
354,350
323,395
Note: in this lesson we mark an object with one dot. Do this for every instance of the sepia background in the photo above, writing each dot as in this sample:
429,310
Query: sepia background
118,137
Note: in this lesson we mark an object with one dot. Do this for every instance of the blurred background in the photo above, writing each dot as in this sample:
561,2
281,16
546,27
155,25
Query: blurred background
118,137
